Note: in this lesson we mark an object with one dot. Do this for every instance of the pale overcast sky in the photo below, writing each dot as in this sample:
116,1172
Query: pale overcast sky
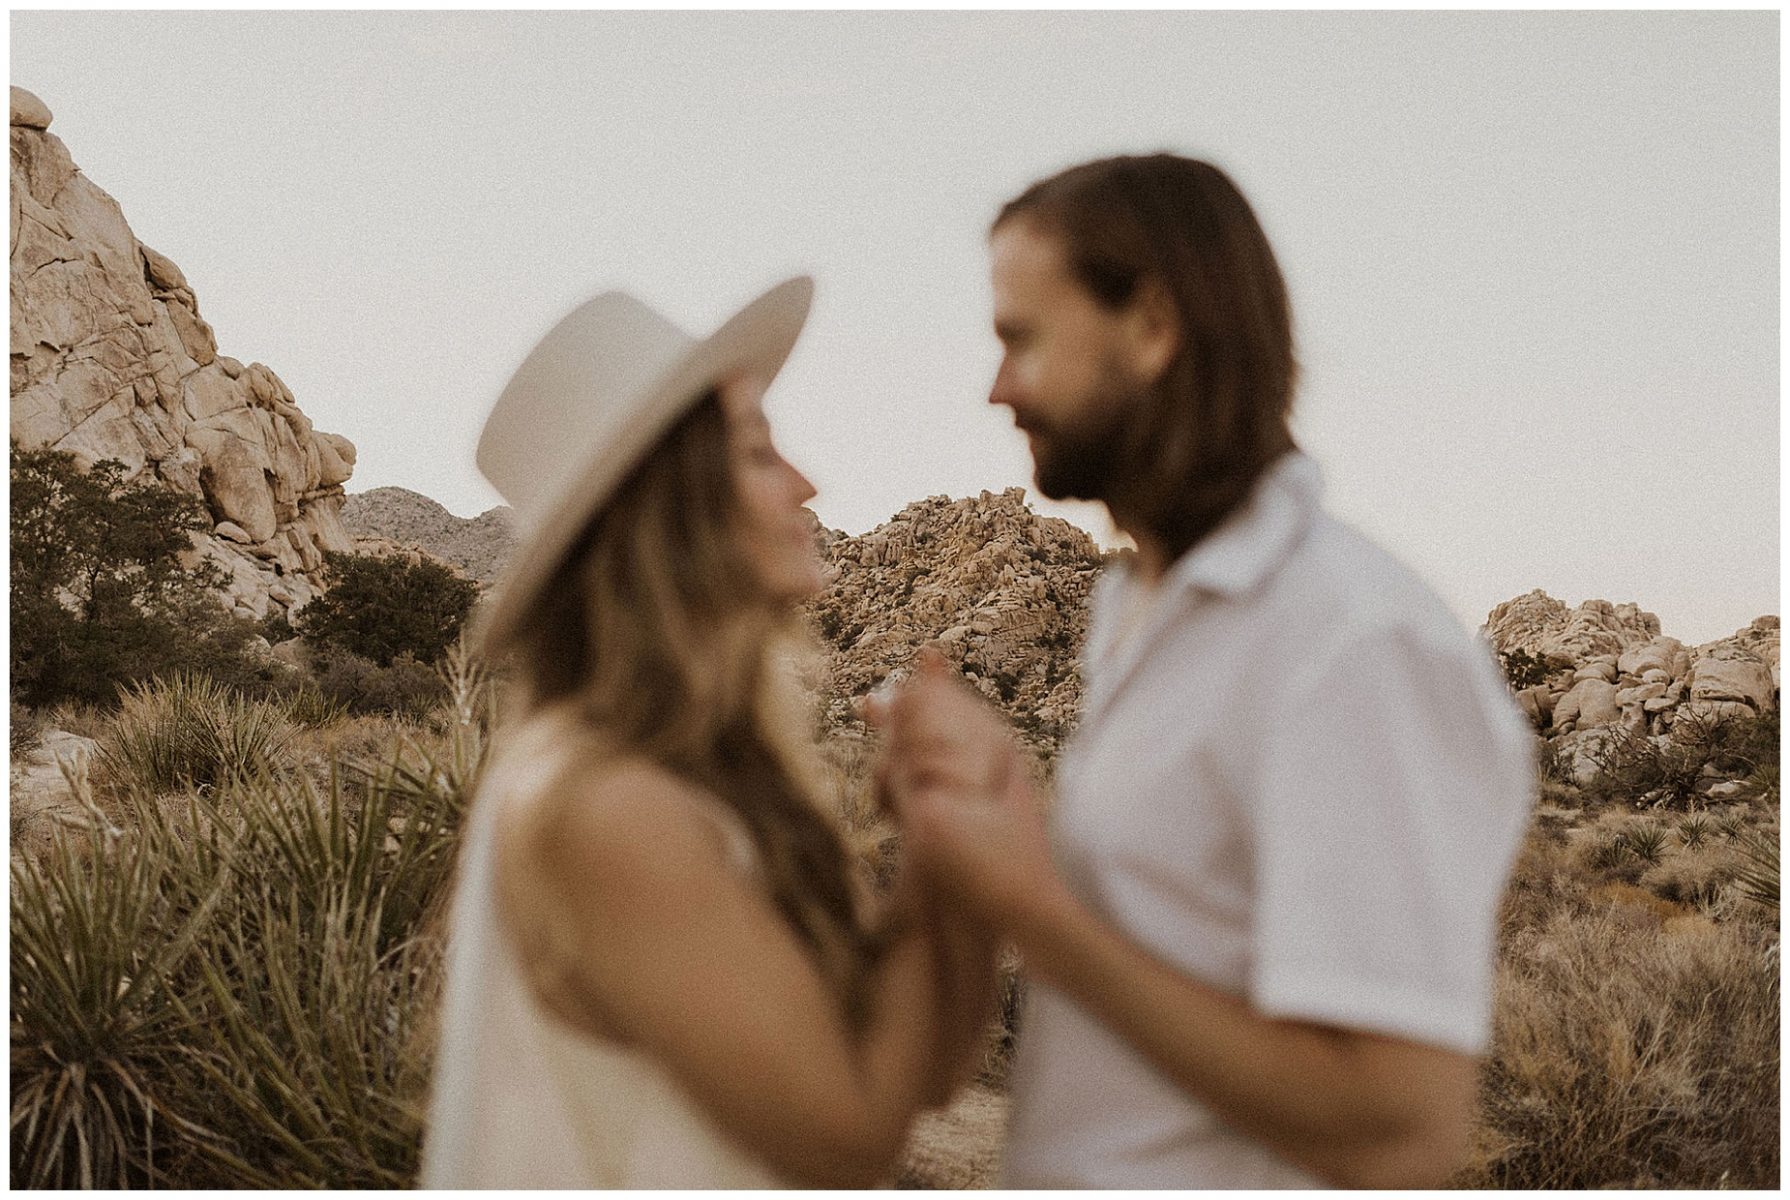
1533,255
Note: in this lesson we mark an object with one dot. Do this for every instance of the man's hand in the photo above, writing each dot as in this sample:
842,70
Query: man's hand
960,790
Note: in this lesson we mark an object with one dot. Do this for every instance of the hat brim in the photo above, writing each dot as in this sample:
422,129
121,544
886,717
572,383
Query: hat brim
756,341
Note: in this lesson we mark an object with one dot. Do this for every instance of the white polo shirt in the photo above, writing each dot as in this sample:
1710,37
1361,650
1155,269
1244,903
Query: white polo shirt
1301,782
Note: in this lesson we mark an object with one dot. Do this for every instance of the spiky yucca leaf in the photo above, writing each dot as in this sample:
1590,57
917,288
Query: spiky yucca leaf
1759,878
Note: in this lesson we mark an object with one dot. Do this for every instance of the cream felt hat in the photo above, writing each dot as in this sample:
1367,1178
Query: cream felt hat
586,406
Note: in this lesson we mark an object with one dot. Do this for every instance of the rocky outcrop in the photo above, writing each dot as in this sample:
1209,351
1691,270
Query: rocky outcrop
111,359
476,546
1615,671
1542,625
1000,590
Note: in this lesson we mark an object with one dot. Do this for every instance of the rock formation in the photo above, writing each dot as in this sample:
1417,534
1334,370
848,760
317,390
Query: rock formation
1615,671
111,359
477,546
1001,591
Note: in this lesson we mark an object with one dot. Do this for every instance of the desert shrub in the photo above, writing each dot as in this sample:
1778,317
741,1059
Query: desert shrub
240,996
1631,1057
186,731
850,791
1609,854
386,607
102,935
1753,741
404,687
1761,783
307,707
1694,831
276,627
1694,884
1006,685
1523,669
1670,771
85,720
99,595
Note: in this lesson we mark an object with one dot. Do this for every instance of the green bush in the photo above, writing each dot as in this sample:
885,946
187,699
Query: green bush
99,594
1523,669
403,688
236,991
383,607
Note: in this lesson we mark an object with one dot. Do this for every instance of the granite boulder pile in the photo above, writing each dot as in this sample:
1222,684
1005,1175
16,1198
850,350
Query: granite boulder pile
111,359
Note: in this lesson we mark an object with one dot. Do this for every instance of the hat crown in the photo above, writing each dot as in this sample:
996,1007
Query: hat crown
580,385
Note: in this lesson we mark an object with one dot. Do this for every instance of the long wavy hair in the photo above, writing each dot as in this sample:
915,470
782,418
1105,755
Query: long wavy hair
1218,415
655,630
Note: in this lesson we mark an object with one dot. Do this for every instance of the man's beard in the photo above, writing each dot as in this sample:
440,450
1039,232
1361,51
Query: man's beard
1086,459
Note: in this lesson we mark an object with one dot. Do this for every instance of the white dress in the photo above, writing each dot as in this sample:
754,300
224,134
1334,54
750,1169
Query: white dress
520,1098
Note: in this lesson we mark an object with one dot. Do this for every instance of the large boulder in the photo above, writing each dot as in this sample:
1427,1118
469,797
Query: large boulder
1590,703
1666,654
1747,681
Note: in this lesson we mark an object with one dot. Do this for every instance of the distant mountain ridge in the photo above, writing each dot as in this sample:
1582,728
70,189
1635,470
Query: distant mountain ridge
479,546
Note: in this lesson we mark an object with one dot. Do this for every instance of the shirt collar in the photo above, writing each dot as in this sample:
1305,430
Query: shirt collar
1232,560
1247,546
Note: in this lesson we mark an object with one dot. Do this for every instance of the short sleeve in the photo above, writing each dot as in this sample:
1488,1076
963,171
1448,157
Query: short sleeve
1390,795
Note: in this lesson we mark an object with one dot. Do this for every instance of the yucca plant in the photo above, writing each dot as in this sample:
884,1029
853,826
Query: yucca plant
104,926
1761,783
313,1050
1609,853
1646,842
1693,831
187,731
309,708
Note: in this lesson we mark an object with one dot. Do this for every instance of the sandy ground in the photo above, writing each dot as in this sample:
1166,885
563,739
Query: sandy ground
958,1147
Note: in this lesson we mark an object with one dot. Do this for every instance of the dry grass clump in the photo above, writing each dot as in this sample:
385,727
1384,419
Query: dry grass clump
1632,1049
849,791
1636,1013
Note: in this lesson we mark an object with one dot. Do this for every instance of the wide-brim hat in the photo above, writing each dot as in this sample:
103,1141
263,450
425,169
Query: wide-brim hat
588,404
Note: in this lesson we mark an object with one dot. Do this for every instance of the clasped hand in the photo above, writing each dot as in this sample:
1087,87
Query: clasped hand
959,788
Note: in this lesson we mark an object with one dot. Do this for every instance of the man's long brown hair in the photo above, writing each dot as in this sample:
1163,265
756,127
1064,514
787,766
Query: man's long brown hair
1217,416
655,630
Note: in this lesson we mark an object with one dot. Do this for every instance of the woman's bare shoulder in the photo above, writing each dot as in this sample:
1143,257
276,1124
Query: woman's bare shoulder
592,822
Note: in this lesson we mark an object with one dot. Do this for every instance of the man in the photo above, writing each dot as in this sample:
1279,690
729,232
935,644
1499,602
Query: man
1260,951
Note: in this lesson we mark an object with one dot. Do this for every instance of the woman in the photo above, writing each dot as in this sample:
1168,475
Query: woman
660,974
